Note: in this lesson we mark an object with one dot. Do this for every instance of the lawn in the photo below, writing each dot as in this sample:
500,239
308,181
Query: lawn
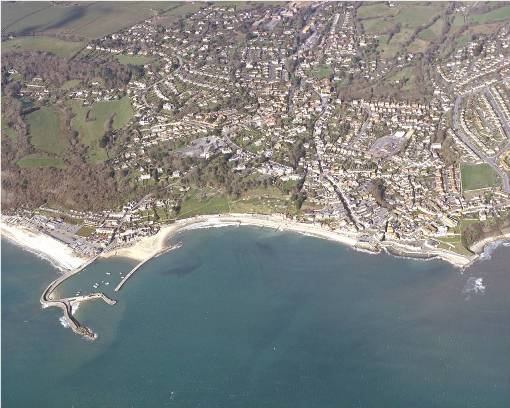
85,231
92,131
40,160
45,132
261,201
478,176
498,14
212,203
134,59
40,43
322,71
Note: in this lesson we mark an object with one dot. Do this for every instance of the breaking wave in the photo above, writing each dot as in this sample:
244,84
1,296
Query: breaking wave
63,322
489,249
474,286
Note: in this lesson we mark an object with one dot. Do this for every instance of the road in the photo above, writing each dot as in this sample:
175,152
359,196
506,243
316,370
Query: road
491,161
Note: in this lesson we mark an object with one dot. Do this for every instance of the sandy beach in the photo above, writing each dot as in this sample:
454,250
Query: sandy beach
151,246
59,254
65,259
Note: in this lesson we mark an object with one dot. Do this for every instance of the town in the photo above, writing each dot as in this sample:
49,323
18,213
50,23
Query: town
300,109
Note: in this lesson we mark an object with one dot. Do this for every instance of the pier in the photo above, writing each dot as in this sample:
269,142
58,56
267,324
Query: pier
132,271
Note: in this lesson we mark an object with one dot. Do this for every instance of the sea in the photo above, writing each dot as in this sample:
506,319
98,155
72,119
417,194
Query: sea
252,317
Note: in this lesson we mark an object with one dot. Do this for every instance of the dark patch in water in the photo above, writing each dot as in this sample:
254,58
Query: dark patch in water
183,269
266,248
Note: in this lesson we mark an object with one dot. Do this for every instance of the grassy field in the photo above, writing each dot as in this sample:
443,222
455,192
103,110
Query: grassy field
478,176
92,131
377,25
258,201
45,131
212,203
389,50
418,45
322,71
8,131
40,160
414,15
40,43
72,83
498,14
405,76
370,10
433,32
85,231
180,9
84,19
134,59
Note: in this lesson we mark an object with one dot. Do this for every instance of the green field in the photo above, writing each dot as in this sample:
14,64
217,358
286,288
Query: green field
322,71
478,176
8,131
377,25
414,15
83,19
194,204
181,9
134,59
45,132
85,231
93,130
370,10
498,14
433,32
72,83
39,43
40,160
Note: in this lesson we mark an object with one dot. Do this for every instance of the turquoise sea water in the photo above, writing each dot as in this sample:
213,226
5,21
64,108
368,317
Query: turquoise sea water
246,317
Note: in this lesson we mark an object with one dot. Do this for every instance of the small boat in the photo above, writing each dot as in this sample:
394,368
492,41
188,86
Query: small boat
108,273
107,283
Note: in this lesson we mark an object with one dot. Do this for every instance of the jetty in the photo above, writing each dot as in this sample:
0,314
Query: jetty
66,304
138,266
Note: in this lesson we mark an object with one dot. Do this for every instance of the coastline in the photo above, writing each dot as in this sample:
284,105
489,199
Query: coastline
146,248
66,260
149,247
60,255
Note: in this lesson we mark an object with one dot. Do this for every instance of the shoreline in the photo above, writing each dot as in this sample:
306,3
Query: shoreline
59,254
148,247
66,260
69,263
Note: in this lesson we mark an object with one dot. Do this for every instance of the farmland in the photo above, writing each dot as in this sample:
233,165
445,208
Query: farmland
88,20
40,43
497,14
